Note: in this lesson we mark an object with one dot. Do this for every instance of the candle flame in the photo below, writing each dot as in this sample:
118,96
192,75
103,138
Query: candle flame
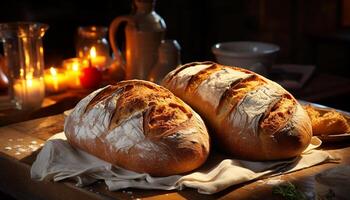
53,71
29,76
75,67
93,52
30,82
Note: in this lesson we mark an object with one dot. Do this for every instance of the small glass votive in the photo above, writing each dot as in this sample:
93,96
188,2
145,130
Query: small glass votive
29,93
73,67
92,44
55,80
24,61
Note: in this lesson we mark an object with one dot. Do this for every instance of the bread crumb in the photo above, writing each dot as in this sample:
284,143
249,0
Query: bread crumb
8,148
21,150
33,147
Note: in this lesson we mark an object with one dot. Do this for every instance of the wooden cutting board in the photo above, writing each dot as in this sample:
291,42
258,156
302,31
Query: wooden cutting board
21,142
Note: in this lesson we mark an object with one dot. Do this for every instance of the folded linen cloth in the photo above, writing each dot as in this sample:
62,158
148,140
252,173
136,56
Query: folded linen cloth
58,161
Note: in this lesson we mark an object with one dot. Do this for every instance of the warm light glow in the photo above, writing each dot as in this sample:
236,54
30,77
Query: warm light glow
53,71
75,66
55,80
29,76
30,92
26,52
30,82
96,60
93,52
81,54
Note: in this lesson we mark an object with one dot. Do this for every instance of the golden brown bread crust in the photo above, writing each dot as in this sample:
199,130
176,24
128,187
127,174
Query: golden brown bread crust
279,114
327,122
139,126
251,116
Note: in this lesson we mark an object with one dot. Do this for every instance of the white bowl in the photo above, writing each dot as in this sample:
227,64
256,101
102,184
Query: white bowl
255,56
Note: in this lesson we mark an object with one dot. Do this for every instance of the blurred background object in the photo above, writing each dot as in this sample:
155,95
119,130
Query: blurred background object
144,30
298,27
24,63
92,44
308,32
251,55
3,75
169,57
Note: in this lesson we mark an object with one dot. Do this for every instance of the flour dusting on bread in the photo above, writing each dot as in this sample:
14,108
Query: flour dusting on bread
132,124
251,116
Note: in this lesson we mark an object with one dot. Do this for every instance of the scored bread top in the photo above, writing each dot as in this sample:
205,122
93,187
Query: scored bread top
136,122
241,106
225,87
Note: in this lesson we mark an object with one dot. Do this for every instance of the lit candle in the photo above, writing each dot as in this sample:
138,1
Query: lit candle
29,93
96,60
73,68
55,80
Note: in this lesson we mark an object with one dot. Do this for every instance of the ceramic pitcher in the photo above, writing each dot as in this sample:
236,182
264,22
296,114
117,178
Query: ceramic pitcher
143,32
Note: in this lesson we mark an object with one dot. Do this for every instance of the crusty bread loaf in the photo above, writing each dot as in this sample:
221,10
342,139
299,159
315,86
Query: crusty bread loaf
139,126
251,116
328,122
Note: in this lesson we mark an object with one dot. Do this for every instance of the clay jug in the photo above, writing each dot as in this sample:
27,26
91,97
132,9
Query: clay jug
143,32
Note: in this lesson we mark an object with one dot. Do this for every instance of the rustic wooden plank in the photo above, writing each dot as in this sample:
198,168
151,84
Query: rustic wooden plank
18,145
42,128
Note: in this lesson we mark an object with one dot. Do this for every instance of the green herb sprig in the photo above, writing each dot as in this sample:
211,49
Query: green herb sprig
288,191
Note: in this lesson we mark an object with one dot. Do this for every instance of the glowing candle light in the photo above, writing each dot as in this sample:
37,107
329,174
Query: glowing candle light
29,92
55,80
96,60
73,68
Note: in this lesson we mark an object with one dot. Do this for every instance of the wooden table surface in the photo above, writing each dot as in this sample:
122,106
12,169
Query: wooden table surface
18,150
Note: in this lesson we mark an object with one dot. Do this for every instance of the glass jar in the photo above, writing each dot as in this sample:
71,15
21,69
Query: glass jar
73,67
93,46
24,63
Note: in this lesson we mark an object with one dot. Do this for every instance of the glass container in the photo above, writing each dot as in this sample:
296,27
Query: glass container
93,46
24,62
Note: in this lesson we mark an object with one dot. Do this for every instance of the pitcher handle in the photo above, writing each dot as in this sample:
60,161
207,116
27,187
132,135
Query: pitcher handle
113,28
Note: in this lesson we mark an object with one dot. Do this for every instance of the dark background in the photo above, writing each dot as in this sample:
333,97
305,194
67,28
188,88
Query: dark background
305,29
308,31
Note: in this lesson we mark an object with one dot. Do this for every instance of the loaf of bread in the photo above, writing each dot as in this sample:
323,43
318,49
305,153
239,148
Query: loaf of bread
330,122
248,115
139,126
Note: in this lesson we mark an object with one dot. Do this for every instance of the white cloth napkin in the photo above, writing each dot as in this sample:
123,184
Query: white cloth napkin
58,160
